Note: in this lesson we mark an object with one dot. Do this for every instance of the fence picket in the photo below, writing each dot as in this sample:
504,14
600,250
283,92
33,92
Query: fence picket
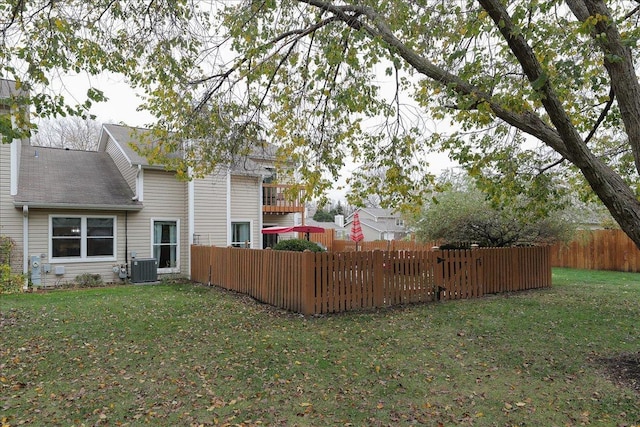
598,250
341,281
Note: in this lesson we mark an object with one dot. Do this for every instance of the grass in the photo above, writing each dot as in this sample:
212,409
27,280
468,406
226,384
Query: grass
182,355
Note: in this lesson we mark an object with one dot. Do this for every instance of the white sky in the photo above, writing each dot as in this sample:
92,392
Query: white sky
121,108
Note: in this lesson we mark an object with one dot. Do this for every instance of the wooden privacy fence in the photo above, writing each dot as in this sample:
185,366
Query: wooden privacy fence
598,250
328,282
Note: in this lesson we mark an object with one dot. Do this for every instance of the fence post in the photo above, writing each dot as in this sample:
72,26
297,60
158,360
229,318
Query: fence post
378,279
308,283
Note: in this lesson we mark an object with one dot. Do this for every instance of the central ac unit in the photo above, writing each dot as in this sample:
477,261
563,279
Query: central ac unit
144,270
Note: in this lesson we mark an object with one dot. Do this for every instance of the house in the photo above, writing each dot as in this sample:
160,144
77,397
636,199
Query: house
79,212
378,224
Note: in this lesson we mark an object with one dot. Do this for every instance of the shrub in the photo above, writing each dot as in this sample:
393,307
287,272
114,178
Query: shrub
297,245
88,280
6,248
10,283
457,218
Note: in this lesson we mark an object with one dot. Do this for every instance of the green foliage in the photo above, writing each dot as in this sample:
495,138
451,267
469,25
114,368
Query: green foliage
328,214
297,245
10,283
535,93
463,217
88,280
323,216
6,248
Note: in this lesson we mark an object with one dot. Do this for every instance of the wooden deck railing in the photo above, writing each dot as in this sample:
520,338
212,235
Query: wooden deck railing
315,283
276,199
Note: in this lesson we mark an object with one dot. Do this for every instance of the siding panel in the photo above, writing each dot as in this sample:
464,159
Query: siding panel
211,210
126,169
245,204
10,217
164,197
39,245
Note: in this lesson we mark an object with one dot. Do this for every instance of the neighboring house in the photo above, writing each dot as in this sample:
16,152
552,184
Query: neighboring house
75,212
378,224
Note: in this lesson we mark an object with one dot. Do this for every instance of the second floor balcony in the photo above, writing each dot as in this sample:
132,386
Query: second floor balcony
278,198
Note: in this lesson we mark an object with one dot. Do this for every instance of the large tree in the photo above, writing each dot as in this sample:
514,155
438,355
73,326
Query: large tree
542,92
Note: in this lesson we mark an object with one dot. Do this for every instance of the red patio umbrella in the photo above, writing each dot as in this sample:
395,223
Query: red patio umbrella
356,230
296,228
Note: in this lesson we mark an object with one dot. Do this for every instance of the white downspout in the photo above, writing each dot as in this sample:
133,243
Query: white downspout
228,206
139,189
25,245
191,205
260,215
191,217
13,167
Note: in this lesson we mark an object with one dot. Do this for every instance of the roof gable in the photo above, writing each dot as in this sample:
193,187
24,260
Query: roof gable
125,137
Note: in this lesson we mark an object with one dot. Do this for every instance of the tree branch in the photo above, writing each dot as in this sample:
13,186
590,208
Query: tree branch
603,115
224,76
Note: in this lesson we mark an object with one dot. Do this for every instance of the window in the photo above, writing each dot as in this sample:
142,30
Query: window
82,237
241,234
269,240
399,222
165,244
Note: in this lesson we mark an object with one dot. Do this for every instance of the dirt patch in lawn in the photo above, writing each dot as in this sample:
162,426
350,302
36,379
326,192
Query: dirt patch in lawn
623,369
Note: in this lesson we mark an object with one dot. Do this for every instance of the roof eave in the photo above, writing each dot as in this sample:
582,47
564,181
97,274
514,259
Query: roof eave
70,206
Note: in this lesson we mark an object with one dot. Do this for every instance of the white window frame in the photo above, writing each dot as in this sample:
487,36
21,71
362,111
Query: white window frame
241,221
176,268
83,240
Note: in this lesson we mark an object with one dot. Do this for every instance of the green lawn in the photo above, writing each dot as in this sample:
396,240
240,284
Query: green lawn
182,355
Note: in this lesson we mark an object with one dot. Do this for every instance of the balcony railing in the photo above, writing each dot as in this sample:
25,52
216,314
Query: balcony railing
277,198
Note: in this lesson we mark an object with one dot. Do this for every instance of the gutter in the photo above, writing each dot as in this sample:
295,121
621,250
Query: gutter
95,207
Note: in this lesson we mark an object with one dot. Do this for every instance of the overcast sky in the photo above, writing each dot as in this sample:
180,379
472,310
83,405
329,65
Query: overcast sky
121,106
123,103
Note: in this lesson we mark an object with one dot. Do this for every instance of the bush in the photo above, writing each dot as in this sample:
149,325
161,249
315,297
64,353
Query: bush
297,245
88,280
458,218
6,249
10,283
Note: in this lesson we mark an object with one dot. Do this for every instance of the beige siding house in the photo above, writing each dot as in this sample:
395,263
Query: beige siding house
106,212
11,219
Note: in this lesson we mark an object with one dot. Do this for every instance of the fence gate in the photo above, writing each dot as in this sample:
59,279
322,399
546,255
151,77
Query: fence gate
457,274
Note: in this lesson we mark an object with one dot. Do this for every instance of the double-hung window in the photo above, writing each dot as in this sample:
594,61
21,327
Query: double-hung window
82,238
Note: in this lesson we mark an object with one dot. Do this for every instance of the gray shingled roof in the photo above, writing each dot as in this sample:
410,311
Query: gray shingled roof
126,136
72,179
